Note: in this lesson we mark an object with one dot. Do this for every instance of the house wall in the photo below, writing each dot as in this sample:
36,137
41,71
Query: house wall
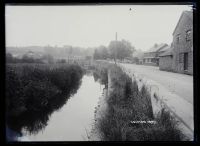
165,63
180,63
183,46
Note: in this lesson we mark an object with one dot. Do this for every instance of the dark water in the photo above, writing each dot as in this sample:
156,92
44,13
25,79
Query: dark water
74,120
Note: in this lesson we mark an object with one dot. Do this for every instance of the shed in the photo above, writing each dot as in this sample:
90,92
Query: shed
166,59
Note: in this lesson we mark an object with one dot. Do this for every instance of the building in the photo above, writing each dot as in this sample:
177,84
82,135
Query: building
151,57
165,60
183,44
179,57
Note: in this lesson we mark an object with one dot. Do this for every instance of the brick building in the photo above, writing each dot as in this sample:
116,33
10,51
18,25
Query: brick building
179,57
183,44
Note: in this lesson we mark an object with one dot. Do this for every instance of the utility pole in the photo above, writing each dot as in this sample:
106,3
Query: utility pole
115,47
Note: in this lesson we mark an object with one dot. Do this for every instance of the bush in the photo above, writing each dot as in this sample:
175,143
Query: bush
33,92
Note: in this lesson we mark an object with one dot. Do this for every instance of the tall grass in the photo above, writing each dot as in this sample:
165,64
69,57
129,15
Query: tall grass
126,104
100,72
34,91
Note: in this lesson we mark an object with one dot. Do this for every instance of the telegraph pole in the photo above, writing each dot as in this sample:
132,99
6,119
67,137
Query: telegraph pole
115,47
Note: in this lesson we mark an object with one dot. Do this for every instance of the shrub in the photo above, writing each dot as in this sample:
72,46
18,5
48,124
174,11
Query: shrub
34,91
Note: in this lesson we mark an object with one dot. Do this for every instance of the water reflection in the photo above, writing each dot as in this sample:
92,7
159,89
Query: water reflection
75,118
33,121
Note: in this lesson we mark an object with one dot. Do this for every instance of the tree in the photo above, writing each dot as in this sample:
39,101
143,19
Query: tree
136,60
88,57
96,54
9,58
120,49
50,59
27,59
61,61
101,53
113,50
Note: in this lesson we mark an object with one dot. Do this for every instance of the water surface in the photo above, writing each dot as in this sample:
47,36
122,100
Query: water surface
75,118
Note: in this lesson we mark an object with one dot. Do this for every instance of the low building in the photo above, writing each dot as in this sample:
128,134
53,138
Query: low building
166,59
151,57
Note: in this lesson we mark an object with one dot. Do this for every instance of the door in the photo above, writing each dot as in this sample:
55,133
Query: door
185,61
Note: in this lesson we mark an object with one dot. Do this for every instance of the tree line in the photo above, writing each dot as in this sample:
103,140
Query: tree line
115,50
28,59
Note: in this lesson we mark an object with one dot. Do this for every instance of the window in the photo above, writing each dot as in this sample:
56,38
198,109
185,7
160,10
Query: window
178,38
188,35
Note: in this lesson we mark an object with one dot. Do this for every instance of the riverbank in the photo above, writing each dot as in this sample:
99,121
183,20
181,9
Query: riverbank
35,91
129,114
99,111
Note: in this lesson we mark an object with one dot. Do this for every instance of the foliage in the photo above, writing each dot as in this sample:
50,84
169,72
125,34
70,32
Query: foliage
61,61
24,59
127,103
101,53
120,49
33,92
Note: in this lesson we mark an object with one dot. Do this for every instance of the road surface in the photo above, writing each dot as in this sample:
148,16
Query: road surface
179,84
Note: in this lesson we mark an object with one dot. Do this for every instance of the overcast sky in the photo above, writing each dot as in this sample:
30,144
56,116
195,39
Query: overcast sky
91,26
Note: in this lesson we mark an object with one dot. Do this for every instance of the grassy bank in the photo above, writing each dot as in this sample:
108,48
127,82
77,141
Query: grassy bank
127,106
34,91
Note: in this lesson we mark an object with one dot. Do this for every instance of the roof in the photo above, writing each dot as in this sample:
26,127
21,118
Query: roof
148,57
165,48
189,14
157,48
168,52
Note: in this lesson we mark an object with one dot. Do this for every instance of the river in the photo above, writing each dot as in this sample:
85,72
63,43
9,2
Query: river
74,120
